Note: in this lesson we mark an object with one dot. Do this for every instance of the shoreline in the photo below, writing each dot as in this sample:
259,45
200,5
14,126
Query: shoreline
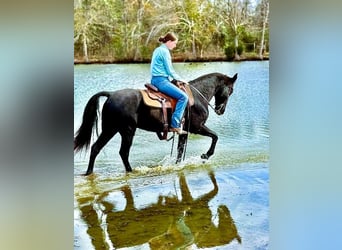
175,60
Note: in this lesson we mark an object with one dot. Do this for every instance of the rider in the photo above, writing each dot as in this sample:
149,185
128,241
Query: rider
161,71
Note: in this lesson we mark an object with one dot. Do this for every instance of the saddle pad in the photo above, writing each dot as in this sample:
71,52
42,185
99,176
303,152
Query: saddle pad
151,98
189,93
154,102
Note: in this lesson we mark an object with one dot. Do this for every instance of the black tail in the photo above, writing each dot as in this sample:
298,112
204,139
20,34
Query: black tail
84,133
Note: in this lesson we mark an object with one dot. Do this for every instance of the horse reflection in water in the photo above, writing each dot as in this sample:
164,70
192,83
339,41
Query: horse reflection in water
169,223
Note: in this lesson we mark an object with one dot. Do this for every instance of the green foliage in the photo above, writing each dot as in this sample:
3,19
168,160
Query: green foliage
146,53
240,49
247,40
250,47
229,52
129,30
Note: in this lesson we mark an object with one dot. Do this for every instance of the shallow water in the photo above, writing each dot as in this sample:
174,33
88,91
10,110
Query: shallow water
221,203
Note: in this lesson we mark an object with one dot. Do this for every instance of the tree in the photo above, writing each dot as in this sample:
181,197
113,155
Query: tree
196,27
235,14
123,29
264,13
91,18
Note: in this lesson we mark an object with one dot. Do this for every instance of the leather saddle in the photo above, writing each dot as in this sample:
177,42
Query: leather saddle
154,98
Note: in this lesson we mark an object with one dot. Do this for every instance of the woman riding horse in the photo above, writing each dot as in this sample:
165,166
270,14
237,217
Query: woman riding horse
161,70
124,111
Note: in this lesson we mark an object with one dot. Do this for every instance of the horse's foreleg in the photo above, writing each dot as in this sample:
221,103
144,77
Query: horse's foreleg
96,148
205,131
208,196
182,139
126,143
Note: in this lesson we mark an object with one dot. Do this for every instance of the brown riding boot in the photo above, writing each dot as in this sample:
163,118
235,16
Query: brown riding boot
179,131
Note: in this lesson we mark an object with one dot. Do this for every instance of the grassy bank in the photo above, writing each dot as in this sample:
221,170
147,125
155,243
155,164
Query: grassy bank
176,58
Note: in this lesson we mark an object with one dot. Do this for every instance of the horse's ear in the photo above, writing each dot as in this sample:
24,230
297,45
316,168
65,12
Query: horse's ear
235,77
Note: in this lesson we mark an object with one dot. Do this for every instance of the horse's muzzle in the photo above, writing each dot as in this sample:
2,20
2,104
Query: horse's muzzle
220,109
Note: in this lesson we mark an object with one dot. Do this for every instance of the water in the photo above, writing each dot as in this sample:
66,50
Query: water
154,206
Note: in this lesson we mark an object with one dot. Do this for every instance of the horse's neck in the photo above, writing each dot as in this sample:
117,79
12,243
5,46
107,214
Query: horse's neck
206,89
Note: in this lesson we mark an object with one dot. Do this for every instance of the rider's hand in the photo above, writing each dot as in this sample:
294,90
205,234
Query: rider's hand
185,82
174,81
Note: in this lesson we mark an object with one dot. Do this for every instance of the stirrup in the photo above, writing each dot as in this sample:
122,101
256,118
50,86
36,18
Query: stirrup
178,131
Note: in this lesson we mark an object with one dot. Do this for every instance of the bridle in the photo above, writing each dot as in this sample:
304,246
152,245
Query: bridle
206,100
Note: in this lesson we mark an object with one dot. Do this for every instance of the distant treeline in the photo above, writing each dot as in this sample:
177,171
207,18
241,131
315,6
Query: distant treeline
128,30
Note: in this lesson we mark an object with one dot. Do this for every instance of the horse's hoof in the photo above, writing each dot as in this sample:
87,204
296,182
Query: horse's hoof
205,156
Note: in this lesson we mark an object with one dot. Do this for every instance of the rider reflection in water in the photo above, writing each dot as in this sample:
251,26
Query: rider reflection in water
161,71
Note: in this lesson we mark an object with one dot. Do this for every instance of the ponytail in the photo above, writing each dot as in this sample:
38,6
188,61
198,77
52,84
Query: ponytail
161,39
168,37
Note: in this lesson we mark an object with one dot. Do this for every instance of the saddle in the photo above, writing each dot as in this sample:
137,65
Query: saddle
154,98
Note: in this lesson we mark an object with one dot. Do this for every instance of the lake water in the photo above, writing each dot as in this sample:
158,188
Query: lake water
221,203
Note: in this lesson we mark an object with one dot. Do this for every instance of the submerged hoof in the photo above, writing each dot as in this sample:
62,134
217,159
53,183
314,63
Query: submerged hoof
205,156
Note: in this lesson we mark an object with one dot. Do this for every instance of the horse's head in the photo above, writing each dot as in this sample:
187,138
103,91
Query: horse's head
224,90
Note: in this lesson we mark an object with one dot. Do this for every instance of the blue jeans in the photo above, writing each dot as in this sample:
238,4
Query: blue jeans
166,87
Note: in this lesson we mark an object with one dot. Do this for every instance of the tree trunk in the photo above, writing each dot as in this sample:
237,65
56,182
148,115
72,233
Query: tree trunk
263,31
193,45
137,36
236,45
85,48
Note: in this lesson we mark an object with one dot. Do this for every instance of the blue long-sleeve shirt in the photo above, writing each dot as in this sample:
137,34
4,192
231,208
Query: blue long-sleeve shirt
161,64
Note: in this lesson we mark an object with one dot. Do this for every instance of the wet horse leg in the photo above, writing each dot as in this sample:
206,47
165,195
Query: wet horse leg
205,131
126,143
104,137
182,139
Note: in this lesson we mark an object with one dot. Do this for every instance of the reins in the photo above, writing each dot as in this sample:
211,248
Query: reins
205,99
187,129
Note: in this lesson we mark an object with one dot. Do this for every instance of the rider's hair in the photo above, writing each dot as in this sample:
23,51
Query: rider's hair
168,37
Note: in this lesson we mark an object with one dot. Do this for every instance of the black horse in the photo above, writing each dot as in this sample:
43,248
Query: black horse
124,111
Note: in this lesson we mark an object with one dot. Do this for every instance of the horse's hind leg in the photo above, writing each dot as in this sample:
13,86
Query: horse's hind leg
96,148
126,143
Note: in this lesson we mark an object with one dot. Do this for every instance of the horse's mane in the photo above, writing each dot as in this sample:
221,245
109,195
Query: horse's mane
210,75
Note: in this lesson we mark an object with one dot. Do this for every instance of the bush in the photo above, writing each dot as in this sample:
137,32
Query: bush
230,52
240,49
249,47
